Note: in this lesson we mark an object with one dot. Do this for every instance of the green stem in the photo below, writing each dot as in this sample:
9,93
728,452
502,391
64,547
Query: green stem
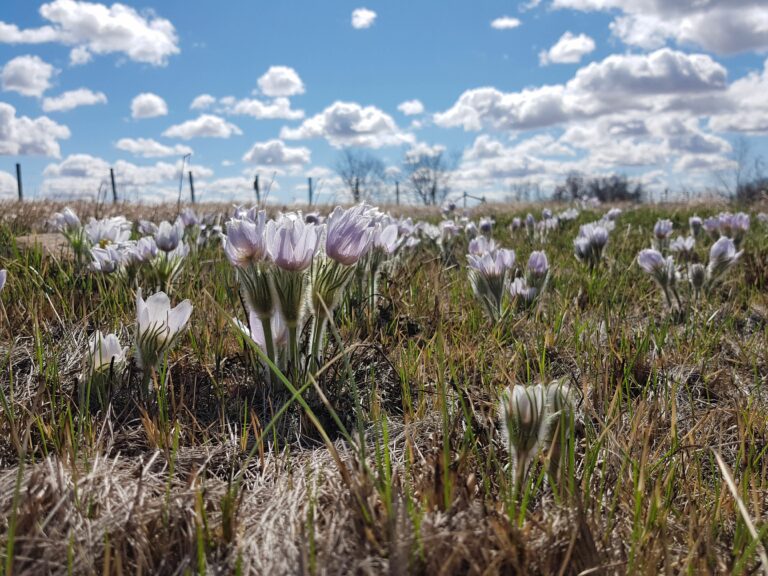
318,332
266,326
294,344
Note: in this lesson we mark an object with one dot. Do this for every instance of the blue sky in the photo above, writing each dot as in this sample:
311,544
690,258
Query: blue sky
515,93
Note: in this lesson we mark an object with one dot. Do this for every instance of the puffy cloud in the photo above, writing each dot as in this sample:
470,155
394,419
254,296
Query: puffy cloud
349,124
94,28
568,50
280,81
202,102
421,150
505,23
8,188
411,107
746,109
149,148
26,136
657,81
204,126
148,105
276,153
73,99
82,175
720,26
363,18
275,109
27,75
279,108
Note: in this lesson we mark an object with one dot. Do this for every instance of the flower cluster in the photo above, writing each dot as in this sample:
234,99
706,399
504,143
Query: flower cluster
529,422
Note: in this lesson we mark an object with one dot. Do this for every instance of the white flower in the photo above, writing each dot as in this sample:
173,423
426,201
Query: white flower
104,352
158,325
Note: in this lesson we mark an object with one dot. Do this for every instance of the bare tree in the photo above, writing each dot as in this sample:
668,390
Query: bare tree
363,173
428,174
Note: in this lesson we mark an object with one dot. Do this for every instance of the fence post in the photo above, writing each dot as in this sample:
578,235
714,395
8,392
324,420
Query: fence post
191,187
309,184
18,182
256,189
114,188
397,193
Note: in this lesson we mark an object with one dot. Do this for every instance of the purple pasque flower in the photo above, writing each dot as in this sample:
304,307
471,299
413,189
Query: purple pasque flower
349,234
696,225
662,229
538,265
291,243
385,238
245,240
168,235
492,264
106,259
486,225
722,256
684,246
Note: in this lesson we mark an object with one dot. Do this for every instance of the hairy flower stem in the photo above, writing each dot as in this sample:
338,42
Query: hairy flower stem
266,325
318,332
294,348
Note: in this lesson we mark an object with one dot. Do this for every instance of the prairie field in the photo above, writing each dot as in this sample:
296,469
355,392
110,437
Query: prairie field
392,438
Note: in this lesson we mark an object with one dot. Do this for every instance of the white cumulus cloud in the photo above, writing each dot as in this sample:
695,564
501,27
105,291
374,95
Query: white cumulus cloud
569,49
505,23
276,153
204,126
363,18
73,99
149,148
350,124
411,107
202,102
21,135
27,75
280,81
148,105
94,28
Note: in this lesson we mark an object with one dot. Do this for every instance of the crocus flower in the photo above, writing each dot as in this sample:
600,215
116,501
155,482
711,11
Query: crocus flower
245,241
488,276
486,226
662,229
684,246
613,214
521,292
522,413
66,220
653,263
516,224
158,326
168,236
538,268
291,243
385,238
722,255
696,224
115,230
348,234
147,228
255,330
105,260
480,245
105,352
3,278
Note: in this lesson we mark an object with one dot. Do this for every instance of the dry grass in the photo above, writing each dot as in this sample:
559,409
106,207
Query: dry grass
199,487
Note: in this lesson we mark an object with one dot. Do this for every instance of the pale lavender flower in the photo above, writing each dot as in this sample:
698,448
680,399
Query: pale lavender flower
105,352
348,234
722,256
516,224
147,228
255,330
245,240
470,229
521,291
385,238
663,229
654,263
105,260
480,245
168,236
538,267
712,227
522,415
188,217
114,230
696,224
291,243
158,326
486,226
546,214
684,247
3,278
66,220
